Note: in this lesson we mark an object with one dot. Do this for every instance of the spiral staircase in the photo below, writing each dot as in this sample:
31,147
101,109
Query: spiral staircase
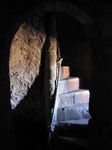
71,114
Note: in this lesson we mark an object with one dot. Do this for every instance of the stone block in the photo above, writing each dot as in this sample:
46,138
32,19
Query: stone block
77,112
65,72
69,84
75,97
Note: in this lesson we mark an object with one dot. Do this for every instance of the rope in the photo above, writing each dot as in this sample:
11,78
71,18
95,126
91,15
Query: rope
59,61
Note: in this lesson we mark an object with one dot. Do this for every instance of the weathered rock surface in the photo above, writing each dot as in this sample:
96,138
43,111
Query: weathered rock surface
25,60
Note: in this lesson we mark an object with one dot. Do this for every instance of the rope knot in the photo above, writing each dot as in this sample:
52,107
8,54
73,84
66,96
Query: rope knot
59,61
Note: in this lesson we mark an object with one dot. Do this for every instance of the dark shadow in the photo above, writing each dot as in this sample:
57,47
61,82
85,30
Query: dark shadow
30,116
75,48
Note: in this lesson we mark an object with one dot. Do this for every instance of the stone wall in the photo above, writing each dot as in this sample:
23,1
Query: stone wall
18,35
7,138
27,80
26,75
25,61
101,82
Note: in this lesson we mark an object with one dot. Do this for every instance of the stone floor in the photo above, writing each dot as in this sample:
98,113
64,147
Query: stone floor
72,134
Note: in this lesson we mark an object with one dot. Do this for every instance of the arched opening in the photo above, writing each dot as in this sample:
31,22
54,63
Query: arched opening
28,43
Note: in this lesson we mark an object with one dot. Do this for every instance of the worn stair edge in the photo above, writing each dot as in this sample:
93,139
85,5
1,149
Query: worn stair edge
76,112
73,112
64,72
69,84
72,143
71,129
74,122
77,141
74,97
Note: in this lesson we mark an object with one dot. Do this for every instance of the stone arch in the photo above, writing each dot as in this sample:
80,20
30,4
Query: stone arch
61,7
70,9
76,12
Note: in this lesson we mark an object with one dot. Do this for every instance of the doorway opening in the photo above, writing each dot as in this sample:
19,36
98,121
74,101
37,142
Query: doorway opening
28,42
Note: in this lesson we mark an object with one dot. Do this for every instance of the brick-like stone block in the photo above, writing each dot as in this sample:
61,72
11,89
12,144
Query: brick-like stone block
75,97
69,84
77,112
65,72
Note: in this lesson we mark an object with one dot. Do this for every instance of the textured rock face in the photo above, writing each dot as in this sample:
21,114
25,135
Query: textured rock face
25,60
76,112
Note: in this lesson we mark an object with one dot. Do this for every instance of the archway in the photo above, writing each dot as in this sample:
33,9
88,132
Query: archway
72,10
60,7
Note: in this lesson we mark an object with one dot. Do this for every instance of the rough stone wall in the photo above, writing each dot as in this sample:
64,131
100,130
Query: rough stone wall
7,136
100,126
26,79
25,60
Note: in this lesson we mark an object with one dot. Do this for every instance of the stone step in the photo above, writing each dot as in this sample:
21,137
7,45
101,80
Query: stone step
73,131
77,112
81,122
72,143
65,72
68,85
75,97
72,128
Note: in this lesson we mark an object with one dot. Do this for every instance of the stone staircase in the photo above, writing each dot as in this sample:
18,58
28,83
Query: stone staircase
71,112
